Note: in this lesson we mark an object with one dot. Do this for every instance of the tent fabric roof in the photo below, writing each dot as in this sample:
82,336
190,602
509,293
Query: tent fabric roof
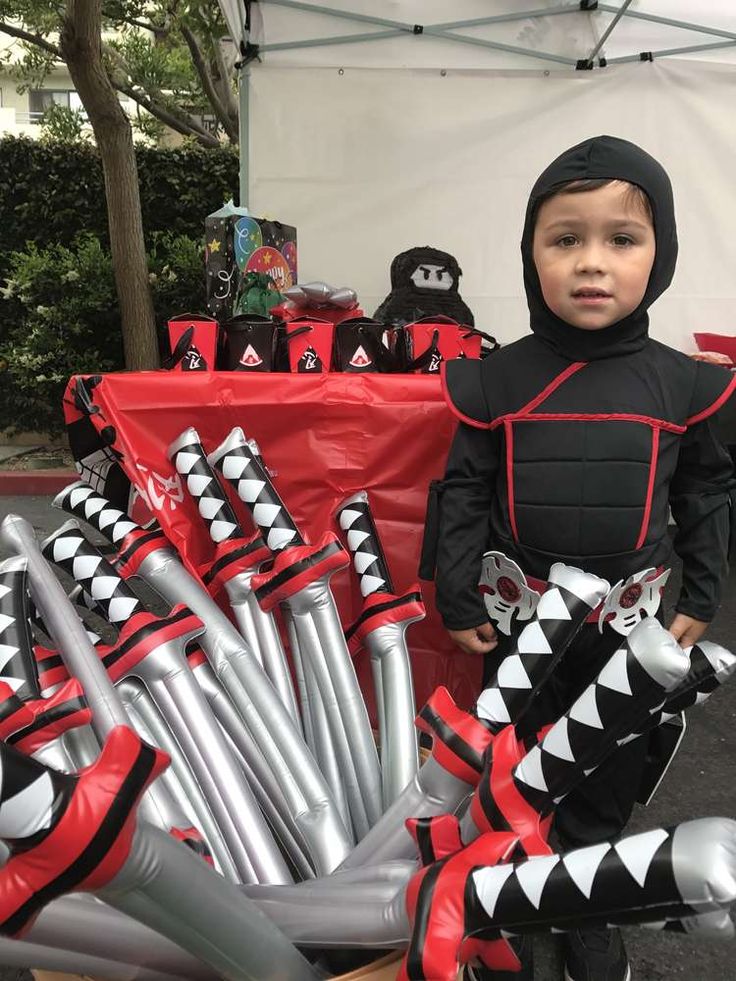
491,34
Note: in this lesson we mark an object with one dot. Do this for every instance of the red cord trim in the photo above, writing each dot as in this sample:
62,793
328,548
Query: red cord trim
715,406
670,427
509,433
553,386
650,490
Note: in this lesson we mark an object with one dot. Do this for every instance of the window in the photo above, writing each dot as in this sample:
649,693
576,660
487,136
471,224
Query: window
42,99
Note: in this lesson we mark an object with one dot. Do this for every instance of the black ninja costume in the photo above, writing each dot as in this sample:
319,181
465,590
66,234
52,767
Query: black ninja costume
571,446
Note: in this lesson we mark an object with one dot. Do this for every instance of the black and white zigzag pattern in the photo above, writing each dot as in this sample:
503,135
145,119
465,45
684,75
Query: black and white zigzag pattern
633,880
188,456
621,697
17,664
560,613
71,551
710,667
355,518
83,501
236,461
31,795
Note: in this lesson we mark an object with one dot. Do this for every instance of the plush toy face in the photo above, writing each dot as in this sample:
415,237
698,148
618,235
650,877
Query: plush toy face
432,277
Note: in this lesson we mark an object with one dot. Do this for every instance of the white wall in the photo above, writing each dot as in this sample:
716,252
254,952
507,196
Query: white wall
372,161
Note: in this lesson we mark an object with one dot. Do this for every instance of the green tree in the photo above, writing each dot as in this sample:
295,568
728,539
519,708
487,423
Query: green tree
167,57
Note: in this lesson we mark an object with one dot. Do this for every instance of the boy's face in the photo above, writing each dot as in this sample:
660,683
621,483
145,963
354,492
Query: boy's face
594,252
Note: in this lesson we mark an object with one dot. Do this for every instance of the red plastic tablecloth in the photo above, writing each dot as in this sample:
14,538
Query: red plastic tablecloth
322,438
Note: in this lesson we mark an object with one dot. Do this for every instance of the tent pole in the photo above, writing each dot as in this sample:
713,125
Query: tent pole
243,133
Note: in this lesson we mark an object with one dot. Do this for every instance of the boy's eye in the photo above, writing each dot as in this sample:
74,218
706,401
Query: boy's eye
566,241
623,240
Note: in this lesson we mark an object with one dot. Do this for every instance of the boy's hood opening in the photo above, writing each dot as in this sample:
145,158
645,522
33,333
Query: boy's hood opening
603,157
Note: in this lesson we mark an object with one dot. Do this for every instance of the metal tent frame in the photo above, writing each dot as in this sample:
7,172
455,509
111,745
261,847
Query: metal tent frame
449,31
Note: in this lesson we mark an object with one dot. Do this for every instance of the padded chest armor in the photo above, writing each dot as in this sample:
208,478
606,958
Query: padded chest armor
589,450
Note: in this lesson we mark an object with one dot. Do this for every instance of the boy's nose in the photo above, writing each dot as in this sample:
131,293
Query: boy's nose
591,258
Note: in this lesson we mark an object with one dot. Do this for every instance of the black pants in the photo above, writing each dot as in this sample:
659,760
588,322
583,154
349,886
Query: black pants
599,809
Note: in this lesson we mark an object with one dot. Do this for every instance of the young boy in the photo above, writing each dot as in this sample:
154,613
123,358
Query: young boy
573,442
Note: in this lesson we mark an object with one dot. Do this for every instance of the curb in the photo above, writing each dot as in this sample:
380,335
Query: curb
15,483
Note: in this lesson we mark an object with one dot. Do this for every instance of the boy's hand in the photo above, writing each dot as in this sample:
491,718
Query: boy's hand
687,630
475,640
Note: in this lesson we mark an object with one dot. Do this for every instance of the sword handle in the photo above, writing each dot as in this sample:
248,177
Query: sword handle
237,462
188,456
84,502
356,520
74,553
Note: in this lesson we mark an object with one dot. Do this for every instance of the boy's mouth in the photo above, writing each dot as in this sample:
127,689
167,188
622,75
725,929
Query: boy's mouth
590,294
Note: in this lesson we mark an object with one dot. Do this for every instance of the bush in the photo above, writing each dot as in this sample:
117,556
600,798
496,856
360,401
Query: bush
51,192
59,316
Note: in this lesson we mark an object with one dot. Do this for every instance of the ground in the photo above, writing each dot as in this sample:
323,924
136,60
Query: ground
700,783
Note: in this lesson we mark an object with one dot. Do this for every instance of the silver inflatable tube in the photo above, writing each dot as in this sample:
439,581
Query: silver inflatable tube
270,794
432,791
260,708
141,707
179,896
81,924
394,688
22,954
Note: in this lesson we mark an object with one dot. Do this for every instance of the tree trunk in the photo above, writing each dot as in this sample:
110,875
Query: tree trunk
81,45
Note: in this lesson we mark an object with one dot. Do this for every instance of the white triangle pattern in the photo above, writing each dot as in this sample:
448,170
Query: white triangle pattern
121,608
369,584
637,852
582,865
585,709
93,505
65,547
551,606
347,517
102,587
488,884
362,560
614,675
209,507
356,539
557,741
264,515
512,673
491,706
84,566
28,811
532,640
233,466
78,495
197,483
220,530
277,538
530,771
248,490
5,621
185,461
533,874
7,653
4,590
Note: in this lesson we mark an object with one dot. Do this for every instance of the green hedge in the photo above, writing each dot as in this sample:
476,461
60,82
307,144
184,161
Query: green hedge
58,307
59,316
50,192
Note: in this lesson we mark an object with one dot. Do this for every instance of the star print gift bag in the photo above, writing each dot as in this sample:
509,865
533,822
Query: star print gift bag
238,244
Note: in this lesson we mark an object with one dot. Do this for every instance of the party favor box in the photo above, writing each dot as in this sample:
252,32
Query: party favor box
237,244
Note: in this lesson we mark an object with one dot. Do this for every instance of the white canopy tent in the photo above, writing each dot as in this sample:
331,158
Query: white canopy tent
375,127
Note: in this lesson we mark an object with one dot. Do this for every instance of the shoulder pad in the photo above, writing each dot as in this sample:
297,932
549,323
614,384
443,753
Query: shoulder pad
712,388
462,387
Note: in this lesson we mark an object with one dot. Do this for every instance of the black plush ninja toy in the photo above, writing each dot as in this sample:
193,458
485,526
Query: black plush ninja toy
424,283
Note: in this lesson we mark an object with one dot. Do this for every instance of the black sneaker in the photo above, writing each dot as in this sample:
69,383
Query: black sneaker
523,947
595,955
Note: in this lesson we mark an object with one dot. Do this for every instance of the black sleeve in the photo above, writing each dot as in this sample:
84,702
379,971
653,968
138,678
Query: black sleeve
463,525
700,497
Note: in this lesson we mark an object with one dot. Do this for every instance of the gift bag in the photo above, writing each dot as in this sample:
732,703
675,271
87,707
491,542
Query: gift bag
193,342
364,345
432,340
237,244
309,344
251,343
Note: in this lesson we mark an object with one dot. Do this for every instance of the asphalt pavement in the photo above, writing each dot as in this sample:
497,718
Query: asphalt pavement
700,783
